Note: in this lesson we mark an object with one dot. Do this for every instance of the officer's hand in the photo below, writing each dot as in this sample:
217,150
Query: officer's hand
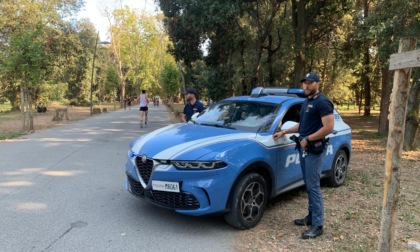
304,143
277,135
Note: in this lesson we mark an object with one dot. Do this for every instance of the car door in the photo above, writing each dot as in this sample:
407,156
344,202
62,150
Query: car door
289,173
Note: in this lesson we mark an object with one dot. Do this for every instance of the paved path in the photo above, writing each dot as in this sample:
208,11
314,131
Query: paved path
63,190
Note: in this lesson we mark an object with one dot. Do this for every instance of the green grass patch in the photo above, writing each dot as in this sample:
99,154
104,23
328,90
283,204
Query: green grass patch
8,116
370,134
10,135
5,107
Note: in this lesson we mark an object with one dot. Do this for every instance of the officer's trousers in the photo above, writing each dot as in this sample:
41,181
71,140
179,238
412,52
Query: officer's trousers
311,166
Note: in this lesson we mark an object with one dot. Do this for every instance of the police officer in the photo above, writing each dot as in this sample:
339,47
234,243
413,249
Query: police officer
193,105
317,121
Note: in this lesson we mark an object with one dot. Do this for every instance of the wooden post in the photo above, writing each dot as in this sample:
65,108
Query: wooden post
30,111
22,106
394,146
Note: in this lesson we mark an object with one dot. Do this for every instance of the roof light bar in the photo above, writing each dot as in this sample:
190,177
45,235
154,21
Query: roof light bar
261,91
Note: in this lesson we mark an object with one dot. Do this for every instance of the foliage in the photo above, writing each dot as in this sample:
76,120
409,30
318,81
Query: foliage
170,78
138,48
30,45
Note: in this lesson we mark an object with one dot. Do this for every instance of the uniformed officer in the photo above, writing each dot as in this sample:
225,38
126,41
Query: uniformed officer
317,121
193,105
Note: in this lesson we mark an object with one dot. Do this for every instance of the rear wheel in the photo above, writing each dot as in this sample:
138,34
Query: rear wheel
248,202
339,170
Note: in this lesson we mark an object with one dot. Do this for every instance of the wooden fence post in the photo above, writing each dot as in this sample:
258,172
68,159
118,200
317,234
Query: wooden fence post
395,141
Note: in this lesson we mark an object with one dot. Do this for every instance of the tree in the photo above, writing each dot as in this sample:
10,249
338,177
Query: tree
138,47
170,78
413,117
25,64
23,19
389,21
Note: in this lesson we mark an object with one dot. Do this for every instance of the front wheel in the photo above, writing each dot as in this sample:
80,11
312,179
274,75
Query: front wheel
248,202
339,169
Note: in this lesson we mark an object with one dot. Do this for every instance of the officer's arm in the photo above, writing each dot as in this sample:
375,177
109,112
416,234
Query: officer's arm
293,129
327,128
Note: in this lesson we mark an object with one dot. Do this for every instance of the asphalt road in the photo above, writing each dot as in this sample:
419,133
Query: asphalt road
62,189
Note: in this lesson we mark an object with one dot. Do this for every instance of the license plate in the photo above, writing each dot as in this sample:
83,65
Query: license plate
165,186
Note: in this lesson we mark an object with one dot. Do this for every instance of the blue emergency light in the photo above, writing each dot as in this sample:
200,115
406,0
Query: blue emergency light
263,91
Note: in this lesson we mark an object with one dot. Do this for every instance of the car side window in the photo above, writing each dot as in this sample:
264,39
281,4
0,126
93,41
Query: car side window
292,114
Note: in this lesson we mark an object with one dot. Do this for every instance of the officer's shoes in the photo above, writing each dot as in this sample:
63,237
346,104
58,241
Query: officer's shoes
312,232
303,222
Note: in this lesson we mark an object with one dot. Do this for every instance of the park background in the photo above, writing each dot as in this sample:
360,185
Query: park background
50,55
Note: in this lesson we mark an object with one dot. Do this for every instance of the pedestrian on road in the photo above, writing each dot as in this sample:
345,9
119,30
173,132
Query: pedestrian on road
143,100
129,102
316,122
193,105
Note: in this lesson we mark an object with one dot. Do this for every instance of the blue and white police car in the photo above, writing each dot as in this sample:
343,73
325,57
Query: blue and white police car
226,161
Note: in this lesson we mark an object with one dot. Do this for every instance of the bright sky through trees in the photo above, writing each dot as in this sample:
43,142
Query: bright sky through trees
92,10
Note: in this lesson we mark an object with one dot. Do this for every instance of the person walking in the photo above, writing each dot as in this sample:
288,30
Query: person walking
193,105
317,121
144,101
129,102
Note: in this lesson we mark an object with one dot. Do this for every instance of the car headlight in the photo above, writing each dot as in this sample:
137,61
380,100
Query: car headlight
196,165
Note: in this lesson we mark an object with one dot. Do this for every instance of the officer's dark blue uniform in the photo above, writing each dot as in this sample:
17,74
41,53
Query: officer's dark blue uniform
311,113
190,110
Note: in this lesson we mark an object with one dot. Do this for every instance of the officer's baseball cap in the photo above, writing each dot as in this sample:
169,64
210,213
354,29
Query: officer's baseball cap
191,91
311,77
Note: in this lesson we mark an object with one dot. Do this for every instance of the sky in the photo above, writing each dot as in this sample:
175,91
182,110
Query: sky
92,11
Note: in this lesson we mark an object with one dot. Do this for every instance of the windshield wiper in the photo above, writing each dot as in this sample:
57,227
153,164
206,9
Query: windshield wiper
218,125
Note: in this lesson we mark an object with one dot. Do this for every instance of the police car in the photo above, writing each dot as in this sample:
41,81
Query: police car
226,161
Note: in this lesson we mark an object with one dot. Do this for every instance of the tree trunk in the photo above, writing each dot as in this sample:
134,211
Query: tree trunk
366,66
385,101
270,53
30,111
256,70
243,82
393,152
183,80
299,31
412,119
22,106
366,82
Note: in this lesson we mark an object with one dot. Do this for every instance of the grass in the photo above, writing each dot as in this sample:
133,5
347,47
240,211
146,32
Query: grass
370,134
5,107
10,135
9,116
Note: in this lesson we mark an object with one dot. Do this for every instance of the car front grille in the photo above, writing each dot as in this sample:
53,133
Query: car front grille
176,200
145,169
171,200
136,188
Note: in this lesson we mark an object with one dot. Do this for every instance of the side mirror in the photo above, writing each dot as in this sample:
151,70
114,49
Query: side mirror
193,117
288,125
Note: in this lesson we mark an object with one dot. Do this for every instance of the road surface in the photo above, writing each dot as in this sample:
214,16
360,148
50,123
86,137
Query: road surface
62,189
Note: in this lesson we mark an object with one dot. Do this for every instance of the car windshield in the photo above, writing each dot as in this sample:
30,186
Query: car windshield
240,115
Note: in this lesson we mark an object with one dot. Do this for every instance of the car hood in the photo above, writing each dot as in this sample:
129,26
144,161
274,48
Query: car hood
187,141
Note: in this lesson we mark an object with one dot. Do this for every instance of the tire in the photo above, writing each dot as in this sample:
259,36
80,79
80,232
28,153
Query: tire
339,169
248,202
